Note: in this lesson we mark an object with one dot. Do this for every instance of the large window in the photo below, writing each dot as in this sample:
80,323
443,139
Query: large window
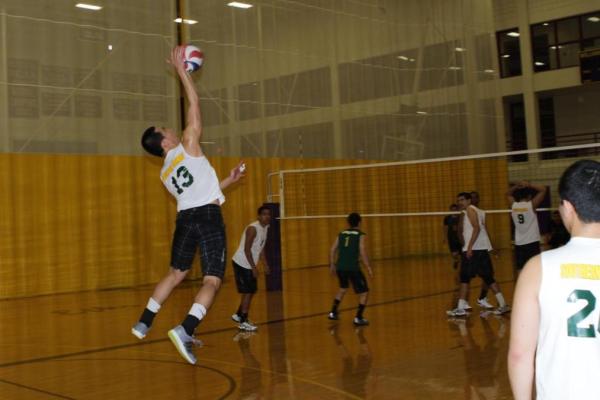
556,44
509,52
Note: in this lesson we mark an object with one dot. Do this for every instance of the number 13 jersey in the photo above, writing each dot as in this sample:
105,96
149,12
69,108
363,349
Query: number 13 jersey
191,180
568,350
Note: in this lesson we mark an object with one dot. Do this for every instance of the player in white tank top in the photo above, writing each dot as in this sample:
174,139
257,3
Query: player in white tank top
526,222
245,263
482,299
475,257
190,178
555,326
523,212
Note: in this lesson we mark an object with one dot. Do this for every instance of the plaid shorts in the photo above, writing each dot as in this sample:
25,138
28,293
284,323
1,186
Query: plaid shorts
200,227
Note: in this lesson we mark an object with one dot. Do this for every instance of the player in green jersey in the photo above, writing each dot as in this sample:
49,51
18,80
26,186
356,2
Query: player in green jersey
351,247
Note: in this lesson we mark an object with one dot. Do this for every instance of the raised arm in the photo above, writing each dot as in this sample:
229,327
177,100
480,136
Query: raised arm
193,128
539,196
234,176
524,327
363,254
509,195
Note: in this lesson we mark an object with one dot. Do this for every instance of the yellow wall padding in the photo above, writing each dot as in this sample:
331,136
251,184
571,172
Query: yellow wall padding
70,223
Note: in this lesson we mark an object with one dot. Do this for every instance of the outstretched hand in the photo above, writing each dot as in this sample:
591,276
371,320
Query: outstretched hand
237,172
177,59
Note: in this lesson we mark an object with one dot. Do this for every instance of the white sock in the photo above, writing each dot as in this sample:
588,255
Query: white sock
198,311
500,298
462,304
153,305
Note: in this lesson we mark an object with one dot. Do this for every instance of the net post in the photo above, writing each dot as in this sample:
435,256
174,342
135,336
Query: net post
273,280
281,196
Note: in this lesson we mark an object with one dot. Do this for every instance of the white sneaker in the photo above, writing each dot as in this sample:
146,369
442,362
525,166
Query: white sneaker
457,312
468,307
248,326
140,330
485,304
236,318
183,343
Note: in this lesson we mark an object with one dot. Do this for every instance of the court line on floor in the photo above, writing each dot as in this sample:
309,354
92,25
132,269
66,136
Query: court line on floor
228,377
220,330
19,385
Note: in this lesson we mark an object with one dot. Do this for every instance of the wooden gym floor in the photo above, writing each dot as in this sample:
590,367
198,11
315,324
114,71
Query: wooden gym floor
79,346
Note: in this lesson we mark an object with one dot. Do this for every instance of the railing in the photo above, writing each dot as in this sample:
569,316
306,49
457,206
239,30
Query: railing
572,139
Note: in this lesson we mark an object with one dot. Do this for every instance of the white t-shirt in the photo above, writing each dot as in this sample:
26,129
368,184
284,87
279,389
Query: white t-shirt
257,245
191,180
568,350
483,241
526,223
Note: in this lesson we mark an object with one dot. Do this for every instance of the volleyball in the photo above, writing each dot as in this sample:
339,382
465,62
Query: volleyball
194,57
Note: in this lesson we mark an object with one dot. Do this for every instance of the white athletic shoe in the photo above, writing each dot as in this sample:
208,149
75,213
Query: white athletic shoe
468,307
140,330
183,343
457,312
485,304
236,318
248,326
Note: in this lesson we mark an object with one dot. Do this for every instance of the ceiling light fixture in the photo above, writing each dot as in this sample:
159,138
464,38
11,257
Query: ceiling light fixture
185,21
238,4
91,7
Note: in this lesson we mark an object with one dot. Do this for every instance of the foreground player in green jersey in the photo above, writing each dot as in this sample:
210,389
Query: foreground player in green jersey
350,246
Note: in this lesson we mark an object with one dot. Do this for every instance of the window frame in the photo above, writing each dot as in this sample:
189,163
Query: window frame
553,50
503,72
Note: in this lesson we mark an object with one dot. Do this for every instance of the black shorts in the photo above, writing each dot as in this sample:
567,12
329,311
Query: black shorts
359,282
524,252
454,244
200,227
480,264
244,279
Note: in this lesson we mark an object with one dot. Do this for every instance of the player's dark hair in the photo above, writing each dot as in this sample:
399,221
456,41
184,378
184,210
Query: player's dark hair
354,219
521,194
261,208
580,185
466,195
151,142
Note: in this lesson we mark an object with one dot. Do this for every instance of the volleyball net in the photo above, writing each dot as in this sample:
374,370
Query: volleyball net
404,203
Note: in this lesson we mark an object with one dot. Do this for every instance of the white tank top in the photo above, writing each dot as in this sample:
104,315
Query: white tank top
483,241
191,180
568,350
526,223
257,246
